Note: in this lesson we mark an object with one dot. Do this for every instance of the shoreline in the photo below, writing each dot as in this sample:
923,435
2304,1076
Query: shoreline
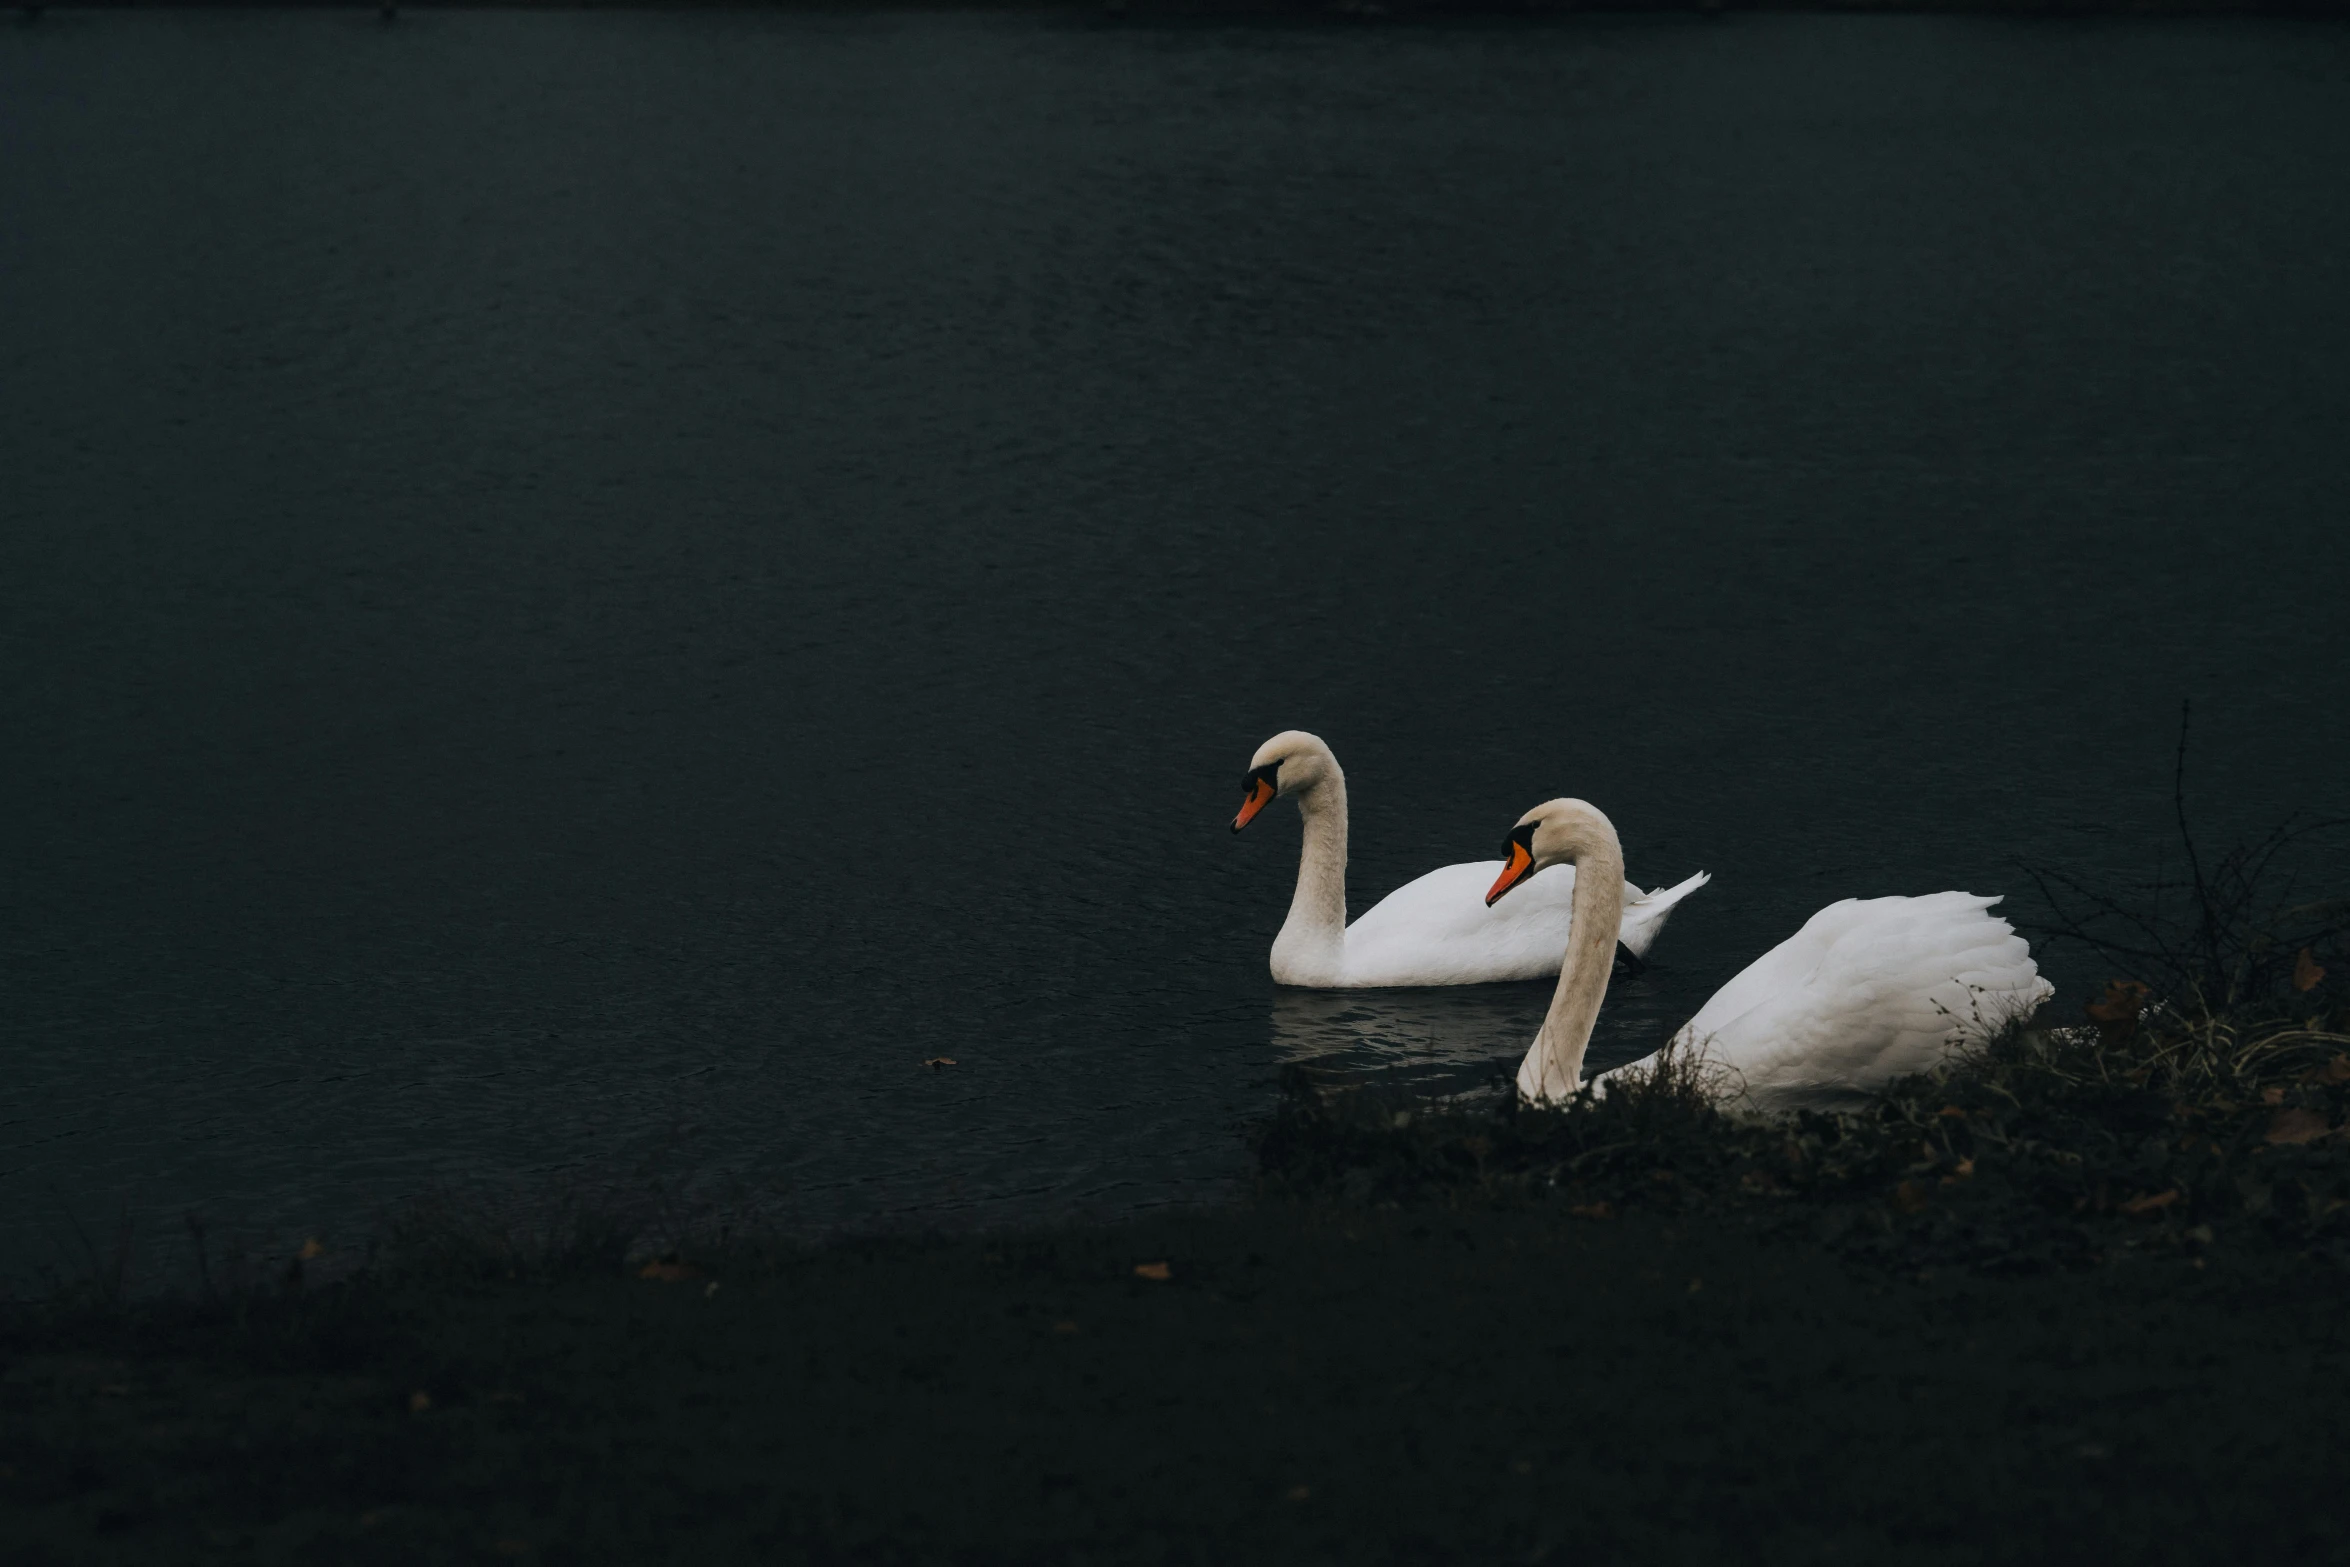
1284,1381
1636,1329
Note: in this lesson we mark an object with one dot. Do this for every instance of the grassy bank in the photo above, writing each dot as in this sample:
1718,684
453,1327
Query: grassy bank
1640,1331
1306,1382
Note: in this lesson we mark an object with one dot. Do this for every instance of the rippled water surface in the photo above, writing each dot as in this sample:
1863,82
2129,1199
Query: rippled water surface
583,592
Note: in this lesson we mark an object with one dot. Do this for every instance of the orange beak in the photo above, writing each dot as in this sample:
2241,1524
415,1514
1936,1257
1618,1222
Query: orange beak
1520,867
1260,795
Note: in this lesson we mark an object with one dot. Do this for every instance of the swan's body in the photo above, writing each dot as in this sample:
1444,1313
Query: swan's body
1437,930
1867,991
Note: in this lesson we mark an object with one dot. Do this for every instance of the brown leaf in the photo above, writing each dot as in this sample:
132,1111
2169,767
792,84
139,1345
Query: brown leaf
1153,1270
1593,1210
2117,1013
1064,1327
935,1062
668,1269
1951,1113
2297,1125
1910,1196
419,1401
1298,1493
2335,1071
2151,1204
1961,1171
2308,973
2272,1096
311,1248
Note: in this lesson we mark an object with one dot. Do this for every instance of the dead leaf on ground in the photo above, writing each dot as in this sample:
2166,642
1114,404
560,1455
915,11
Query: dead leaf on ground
1910,1196
2117,1013
2272,1096
312,1249
419,1401
935,1062
1593,1210
1064,1327
1153,1270
2335,1071
2308,973
2150,1204
1961,1171
668,1269
1951,1113
2296,1125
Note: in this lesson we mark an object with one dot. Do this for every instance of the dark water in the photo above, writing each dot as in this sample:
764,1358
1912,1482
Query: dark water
585,591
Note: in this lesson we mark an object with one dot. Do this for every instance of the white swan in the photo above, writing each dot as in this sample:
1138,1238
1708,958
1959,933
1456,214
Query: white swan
1868,990
1438,930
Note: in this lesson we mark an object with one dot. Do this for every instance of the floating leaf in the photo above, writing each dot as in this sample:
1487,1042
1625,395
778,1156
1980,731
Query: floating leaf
935,1062
2141,1205
2308,973
1153,1270
2297,1125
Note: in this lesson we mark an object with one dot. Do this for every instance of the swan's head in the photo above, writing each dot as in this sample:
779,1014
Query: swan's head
1289,763
1559,832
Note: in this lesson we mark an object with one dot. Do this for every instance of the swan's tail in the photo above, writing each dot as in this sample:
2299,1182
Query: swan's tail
1645,916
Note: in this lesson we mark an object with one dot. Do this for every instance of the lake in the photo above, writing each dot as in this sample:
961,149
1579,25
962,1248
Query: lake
581,593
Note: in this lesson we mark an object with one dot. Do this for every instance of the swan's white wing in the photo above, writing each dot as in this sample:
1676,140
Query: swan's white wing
1438,931
1868,990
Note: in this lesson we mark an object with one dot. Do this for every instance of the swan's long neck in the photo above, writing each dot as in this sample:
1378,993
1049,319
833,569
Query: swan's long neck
1311,948
1553,1068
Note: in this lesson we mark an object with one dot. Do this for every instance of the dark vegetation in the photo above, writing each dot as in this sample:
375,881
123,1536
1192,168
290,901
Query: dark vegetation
2075,1297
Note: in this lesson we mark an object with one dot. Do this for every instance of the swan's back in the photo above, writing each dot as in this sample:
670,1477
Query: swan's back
1868,990
1437,930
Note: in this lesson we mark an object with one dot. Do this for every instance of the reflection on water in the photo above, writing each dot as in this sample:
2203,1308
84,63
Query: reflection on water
1456,1038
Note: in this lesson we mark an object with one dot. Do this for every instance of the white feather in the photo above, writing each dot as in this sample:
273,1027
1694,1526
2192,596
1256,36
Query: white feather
1867,991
